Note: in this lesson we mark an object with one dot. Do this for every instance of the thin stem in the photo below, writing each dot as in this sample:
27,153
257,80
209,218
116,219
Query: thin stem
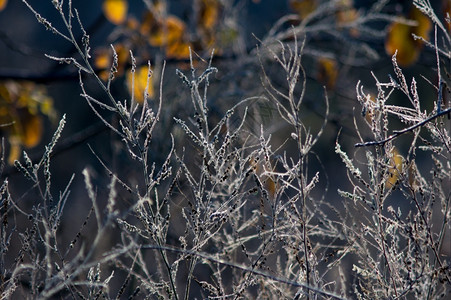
405,130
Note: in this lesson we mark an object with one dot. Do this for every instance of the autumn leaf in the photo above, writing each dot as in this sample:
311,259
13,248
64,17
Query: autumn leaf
115,10
3,4
208,32
31,130
370,111
328,72
209,13
169,32
424,26
400,38
413,176
347,14
268,181
178,50
22,107
395,169
132,24
103,59
141,79
14,153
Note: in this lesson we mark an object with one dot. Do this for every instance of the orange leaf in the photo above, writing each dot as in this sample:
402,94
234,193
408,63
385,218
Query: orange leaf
140,84
3,4
32,130
115,10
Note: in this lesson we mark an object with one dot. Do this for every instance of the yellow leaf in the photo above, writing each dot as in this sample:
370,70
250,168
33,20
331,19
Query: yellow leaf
175,29
395,168
102,59
169,32
14,153
139,87
400,38
424,24
26,130
32,130
209,13
178,50
3,4
328,72
22,106
115,10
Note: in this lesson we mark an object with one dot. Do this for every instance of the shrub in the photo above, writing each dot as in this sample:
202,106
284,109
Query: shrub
233,202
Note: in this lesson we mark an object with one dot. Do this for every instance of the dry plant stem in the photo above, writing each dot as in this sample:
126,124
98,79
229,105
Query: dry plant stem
435,246
85,57
150,183
408,129
290,60
383,241
248,204
201,106
206,141
245,269
142,150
